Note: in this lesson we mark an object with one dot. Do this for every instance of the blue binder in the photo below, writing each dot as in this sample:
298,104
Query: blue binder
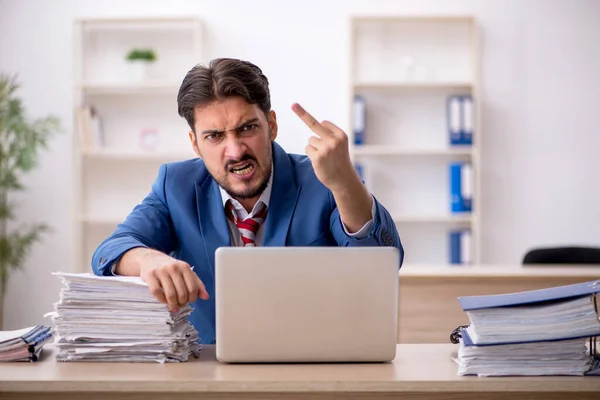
454,241
467,120
456,201
360,119
454,120
360,171
531,296
466,187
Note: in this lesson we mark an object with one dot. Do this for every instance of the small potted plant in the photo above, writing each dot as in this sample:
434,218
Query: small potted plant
139,61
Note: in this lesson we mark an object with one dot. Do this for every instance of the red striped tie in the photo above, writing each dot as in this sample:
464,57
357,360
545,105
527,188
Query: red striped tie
250,225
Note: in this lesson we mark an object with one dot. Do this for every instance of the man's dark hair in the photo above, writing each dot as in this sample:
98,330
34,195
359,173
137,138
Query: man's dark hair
223,78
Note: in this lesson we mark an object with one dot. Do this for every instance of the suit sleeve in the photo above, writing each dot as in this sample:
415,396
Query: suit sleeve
148,225
383,231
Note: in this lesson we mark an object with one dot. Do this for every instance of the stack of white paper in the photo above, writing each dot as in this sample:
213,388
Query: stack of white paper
564,357
24,344
115,318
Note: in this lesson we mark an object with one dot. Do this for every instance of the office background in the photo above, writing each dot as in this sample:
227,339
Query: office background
540,67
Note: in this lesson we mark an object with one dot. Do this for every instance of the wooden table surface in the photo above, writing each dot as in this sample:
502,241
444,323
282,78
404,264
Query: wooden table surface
422,371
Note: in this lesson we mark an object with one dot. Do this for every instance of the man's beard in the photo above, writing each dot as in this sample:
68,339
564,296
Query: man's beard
250,192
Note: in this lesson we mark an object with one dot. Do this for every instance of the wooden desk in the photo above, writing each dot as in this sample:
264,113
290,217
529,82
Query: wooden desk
420,371
428,309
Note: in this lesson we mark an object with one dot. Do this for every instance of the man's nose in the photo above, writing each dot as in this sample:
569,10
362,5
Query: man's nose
235,147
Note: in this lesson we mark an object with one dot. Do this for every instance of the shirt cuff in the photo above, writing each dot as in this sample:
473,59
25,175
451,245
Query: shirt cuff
364,231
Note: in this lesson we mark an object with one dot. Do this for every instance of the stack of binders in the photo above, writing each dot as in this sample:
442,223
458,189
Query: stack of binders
115,318
540,332
460,123
24,344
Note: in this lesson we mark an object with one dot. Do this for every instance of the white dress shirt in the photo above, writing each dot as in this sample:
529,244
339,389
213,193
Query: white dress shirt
242,214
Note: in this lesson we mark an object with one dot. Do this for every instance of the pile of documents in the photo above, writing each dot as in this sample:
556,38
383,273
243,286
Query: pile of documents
564,357
540,332
24,344
115,318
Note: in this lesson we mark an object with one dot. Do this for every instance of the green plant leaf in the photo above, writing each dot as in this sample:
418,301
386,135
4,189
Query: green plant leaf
21,139
9,181
15,247
141,54
6,211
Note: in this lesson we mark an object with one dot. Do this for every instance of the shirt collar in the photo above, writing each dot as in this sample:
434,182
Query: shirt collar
265,197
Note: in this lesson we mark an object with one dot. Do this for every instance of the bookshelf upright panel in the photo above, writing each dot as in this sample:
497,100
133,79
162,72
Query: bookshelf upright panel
414,82
125,116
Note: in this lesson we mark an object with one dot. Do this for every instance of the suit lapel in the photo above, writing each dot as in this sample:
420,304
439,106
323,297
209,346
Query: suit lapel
213,223
284,196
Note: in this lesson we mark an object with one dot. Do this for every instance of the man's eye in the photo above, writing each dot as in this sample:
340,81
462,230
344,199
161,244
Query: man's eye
213,137
249,127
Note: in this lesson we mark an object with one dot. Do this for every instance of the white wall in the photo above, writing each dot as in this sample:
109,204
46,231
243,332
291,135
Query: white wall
541,74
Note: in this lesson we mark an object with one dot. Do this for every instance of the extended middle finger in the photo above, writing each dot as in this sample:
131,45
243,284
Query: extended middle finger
310,121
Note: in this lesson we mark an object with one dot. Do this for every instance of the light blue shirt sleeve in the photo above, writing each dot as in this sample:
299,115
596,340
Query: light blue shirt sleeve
364,231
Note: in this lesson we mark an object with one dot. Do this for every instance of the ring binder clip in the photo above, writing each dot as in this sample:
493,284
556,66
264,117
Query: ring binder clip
455,335
593,339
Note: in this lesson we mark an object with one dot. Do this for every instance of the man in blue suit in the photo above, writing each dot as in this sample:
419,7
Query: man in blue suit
242,190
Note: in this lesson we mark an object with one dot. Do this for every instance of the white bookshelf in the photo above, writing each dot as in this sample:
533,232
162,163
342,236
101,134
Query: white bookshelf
405,68
114,174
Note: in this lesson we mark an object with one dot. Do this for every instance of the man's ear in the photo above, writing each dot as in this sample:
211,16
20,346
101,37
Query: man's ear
272,118
194,143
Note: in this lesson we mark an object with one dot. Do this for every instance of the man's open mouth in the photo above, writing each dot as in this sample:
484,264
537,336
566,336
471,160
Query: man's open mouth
243,169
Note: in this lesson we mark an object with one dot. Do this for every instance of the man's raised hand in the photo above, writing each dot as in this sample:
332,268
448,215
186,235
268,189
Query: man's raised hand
328,152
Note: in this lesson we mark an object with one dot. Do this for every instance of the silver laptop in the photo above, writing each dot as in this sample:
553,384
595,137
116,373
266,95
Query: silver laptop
306,304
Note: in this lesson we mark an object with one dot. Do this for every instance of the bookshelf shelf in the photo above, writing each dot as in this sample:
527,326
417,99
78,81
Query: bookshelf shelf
386,86
125,155
101,220
168,24
433,219
382,150
125,115
129,88
404,70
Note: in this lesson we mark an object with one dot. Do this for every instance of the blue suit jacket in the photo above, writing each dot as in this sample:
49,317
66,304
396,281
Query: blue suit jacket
183,216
